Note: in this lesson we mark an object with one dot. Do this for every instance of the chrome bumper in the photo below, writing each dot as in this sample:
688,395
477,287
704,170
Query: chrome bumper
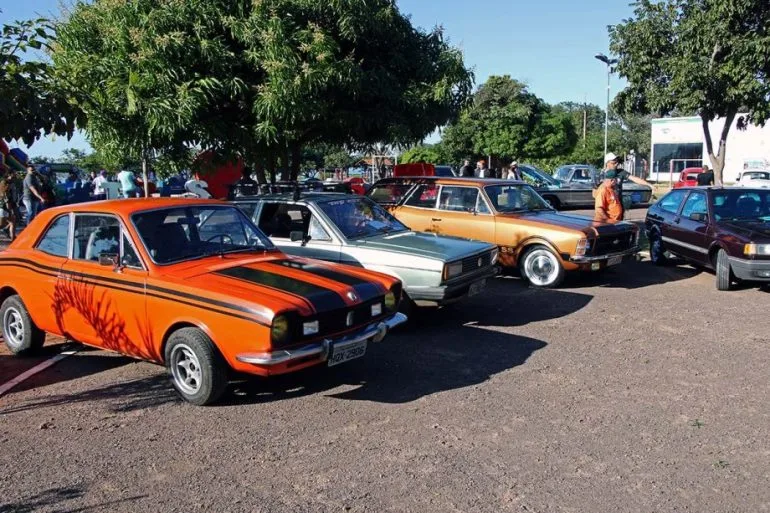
589,259
375,332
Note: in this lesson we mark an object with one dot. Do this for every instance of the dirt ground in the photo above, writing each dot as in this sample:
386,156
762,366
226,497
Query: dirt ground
639,389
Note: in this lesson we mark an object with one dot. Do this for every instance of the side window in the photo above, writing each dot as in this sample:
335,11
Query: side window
458,199
278,220
248,208
317,231
695,204
672,201
95,235
54,242
481,205
423,196
129,258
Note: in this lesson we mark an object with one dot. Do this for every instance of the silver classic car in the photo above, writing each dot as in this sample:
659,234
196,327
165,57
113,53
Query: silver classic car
354,230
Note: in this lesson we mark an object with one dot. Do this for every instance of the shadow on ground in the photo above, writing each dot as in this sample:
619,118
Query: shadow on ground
55,498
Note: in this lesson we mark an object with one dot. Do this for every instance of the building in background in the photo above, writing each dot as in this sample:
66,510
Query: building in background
679,143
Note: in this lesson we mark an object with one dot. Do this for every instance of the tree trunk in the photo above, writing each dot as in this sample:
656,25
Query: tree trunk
271,164
718,159
296,155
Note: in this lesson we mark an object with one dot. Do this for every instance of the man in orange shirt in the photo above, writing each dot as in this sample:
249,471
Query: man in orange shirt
608,206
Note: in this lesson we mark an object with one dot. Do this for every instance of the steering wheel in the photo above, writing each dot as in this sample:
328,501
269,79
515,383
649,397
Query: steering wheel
221,237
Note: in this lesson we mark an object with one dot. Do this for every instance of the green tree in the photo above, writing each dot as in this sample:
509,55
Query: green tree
425,153
31,103
699,56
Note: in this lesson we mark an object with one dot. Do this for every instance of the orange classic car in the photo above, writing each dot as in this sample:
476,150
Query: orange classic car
191,284
541,242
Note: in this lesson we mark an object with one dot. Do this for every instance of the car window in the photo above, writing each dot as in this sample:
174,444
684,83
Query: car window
672,201
389,193
458,199
695,204
129,258
741,205
215,222
95,235
248,209
424,196
278,220
358,217
54,242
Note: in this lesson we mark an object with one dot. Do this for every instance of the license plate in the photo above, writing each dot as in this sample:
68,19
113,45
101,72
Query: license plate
614,260
477,287
346,351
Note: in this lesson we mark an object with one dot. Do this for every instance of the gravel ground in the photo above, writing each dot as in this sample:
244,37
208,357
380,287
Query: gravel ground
638,389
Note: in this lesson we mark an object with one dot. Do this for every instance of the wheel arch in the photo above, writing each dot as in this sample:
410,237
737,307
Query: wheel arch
6,292
536,241
713,251
178,325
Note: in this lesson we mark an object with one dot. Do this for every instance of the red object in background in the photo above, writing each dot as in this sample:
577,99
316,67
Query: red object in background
414,170
151,187
688,177
219,176
356,185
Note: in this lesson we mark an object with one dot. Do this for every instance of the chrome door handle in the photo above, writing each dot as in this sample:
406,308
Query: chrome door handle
435,219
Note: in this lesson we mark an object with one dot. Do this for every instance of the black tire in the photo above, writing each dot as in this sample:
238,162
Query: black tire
541,267
197,370
724,274
21,335
657,253
409,308
553,201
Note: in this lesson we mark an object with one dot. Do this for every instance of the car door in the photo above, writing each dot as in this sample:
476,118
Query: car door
101,299
418,211
688,231
463,212
663,215
49,256
282,220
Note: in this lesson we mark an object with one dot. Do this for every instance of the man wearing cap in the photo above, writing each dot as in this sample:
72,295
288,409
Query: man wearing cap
513,171
613,163
608,206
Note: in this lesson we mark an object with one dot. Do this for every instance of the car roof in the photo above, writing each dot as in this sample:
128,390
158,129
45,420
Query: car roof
451,180
131,206
719,188
304,196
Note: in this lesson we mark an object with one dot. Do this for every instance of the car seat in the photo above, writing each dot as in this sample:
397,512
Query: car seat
168,242
104,240
747,207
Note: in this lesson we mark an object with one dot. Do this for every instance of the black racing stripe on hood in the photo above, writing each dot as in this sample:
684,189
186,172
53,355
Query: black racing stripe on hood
366,290
320,298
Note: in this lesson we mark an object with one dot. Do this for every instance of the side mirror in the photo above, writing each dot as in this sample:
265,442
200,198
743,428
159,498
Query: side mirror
298,236
109,259
700,217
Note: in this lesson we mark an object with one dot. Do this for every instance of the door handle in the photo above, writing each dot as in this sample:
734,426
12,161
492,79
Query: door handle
436,219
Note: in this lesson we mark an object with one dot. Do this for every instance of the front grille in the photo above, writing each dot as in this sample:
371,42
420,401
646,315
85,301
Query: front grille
613,243
335,321
474,263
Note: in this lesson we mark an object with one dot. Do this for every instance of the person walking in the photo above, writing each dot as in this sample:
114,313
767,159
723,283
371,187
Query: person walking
32,195
706,177
608,206
513,171
128,183
98,184
482,171
467,169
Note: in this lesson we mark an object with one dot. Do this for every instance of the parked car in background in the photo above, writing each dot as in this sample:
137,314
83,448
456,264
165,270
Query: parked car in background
688,177
444,171
573,185
533,238
191,284
754,178
435,270
724,229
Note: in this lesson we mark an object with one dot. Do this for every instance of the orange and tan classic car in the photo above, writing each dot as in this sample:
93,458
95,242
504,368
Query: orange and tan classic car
190,284
542,243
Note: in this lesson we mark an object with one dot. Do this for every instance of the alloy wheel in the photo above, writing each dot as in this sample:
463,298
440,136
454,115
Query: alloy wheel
186,369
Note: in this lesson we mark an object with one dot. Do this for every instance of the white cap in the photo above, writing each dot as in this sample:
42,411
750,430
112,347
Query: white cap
514,163
610,157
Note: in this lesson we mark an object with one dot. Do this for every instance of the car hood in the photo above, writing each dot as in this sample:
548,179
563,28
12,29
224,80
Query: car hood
275,282
755,231
587,225
425,245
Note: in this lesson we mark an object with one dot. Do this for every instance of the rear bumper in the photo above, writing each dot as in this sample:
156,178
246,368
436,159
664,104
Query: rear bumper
750,270
454,291
320,350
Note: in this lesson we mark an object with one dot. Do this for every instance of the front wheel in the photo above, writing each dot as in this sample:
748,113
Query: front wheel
724,275
657,253
198,371
21,335
541,268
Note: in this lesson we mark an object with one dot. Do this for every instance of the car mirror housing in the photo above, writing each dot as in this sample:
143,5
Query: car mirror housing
296,236
109,259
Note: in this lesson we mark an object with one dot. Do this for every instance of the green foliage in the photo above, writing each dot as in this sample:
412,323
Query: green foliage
339,158
705,57
31,102
425,153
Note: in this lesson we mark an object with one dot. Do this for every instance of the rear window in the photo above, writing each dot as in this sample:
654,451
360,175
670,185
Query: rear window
389,194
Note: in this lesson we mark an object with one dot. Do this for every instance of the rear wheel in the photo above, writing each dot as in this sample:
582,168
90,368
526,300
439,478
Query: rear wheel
657,253
725,276
20,333
541,267
198,371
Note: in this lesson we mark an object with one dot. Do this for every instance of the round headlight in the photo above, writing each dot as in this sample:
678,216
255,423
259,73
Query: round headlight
279,332
390,301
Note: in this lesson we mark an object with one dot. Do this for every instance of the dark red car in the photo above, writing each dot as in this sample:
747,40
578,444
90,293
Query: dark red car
726,229
688,177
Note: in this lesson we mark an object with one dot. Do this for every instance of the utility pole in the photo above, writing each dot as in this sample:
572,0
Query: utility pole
609,62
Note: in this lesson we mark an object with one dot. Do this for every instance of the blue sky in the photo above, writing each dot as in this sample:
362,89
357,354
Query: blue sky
549,45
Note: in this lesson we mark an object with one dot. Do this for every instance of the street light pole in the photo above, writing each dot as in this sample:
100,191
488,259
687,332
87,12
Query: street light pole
609,62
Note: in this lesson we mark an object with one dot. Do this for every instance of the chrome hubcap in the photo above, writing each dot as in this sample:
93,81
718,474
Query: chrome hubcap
13,327
185,369
541,267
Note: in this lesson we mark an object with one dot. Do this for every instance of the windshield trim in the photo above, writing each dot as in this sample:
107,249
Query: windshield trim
267,247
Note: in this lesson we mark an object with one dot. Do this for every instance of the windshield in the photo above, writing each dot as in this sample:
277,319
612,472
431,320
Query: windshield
185,233
736,205
536,177
515,198
756,175
563,173
360,217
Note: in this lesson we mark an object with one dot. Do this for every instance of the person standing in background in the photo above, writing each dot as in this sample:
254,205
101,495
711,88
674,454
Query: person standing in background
32,195
706,177
481,169
467,169
608,206
127,183
513,171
